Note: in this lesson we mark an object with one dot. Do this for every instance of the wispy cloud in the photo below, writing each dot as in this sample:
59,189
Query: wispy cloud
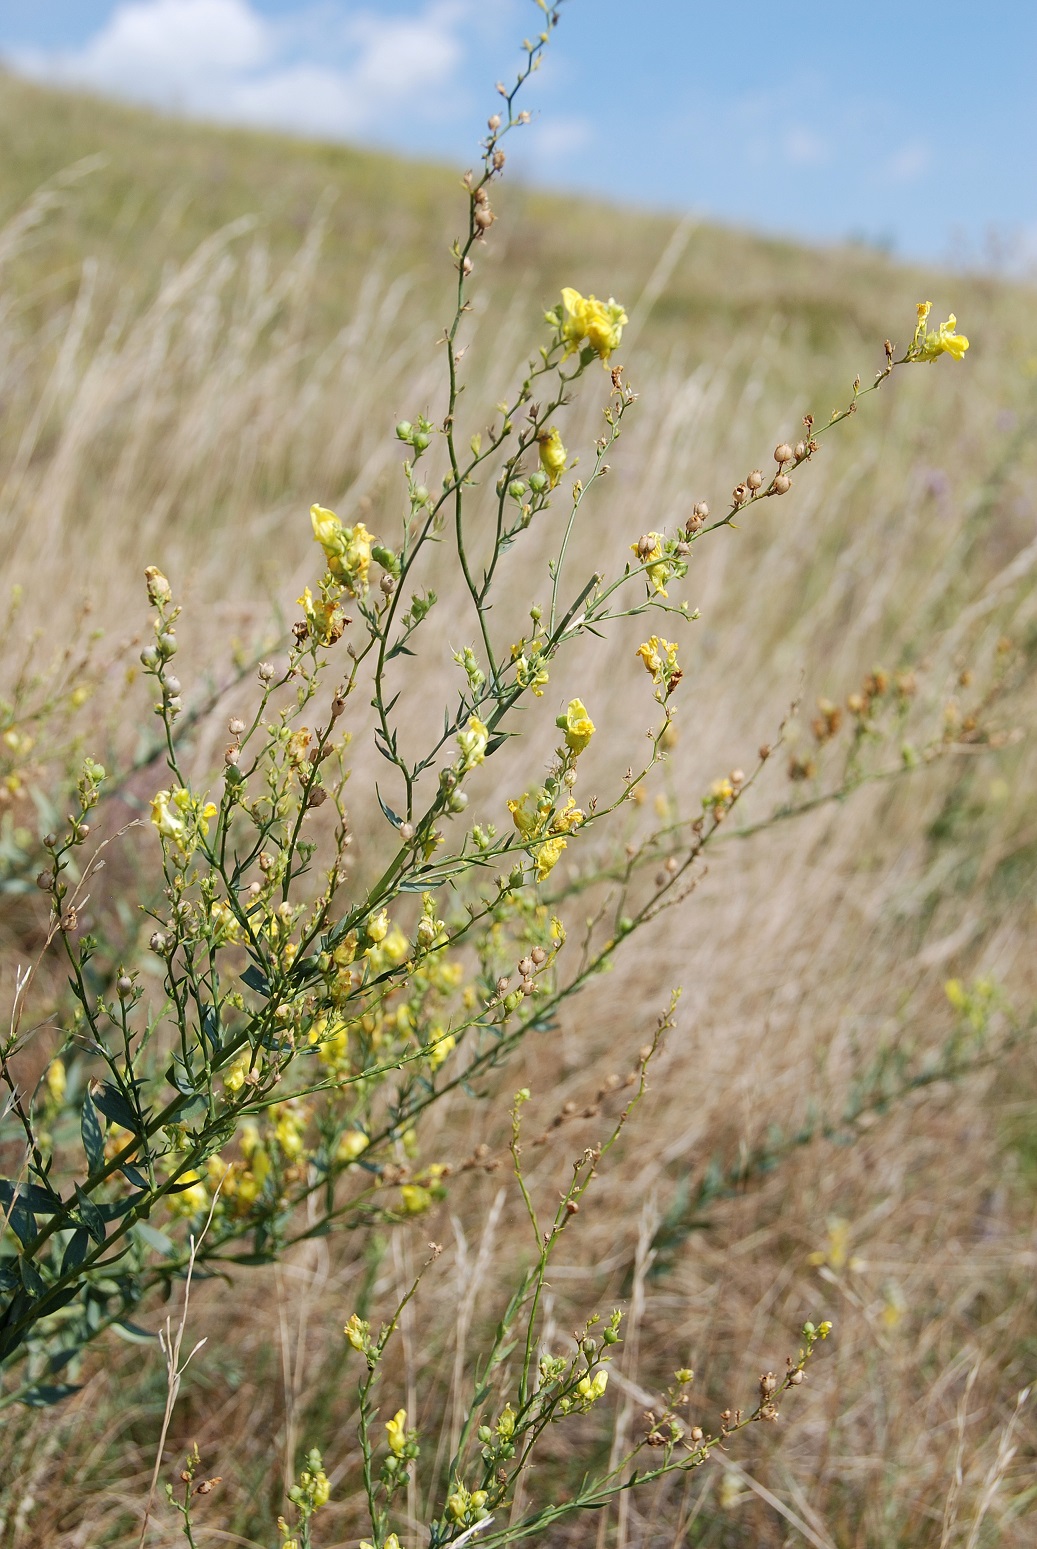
908,163
319,72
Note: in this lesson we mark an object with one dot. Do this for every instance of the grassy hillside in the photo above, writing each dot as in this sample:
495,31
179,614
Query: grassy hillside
829,1129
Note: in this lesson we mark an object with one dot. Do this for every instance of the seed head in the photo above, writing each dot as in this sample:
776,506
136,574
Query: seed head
782,453
782,484
755,479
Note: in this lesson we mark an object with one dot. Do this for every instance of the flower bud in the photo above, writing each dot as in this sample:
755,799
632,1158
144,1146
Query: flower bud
159,589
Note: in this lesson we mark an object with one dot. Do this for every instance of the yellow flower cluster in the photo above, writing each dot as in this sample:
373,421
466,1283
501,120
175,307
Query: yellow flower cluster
660,659
325,618
181,819
347,549
543,828
929,344
584,320
649,551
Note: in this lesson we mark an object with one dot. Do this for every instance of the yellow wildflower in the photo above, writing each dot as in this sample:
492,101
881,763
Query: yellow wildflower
181,817
929,344
189,1201
526,814
553,456
414,1199
568,818
397,1430
547,856
356,1331
649,551
577,725
347,549
234,1080
590,321
353,1144
592,1388
440,1044
529,672
56,1079
472,742
377,927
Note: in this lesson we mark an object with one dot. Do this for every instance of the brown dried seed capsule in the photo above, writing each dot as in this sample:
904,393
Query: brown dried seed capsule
795,1378
740,494
801,450
782,484
571,1207
645,545
702,510
782,453
538,955
498,160
235,726
481,195
484,217
768,1383
755,479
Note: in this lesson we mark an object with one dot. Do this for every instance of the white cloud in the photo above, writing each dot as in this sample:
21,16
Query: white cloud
223,59
908,163
804,148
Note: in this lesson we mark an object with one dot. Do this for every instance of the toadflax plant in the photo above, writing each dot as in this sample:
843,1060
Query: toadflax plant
275,1088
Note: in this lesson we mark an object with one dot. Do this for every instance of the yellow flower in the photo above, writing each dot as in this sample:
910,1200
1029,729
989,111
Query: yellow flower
414,1199
588,320
377,927
594,1387
526,814
189,1201
356,1331
56,1079
440,1044
548,855
181,818
472,742
234,1080
577,725
929,345
568,818
397,1429
168,818
553,456
347,549
353,1143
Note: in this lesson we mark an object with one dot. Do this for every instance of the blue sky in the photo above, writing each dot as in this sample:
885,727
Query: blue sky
907,123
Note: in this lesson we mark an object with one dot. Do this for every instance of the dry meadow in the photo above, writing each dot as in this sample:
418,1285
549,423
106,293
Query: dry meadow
204,331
